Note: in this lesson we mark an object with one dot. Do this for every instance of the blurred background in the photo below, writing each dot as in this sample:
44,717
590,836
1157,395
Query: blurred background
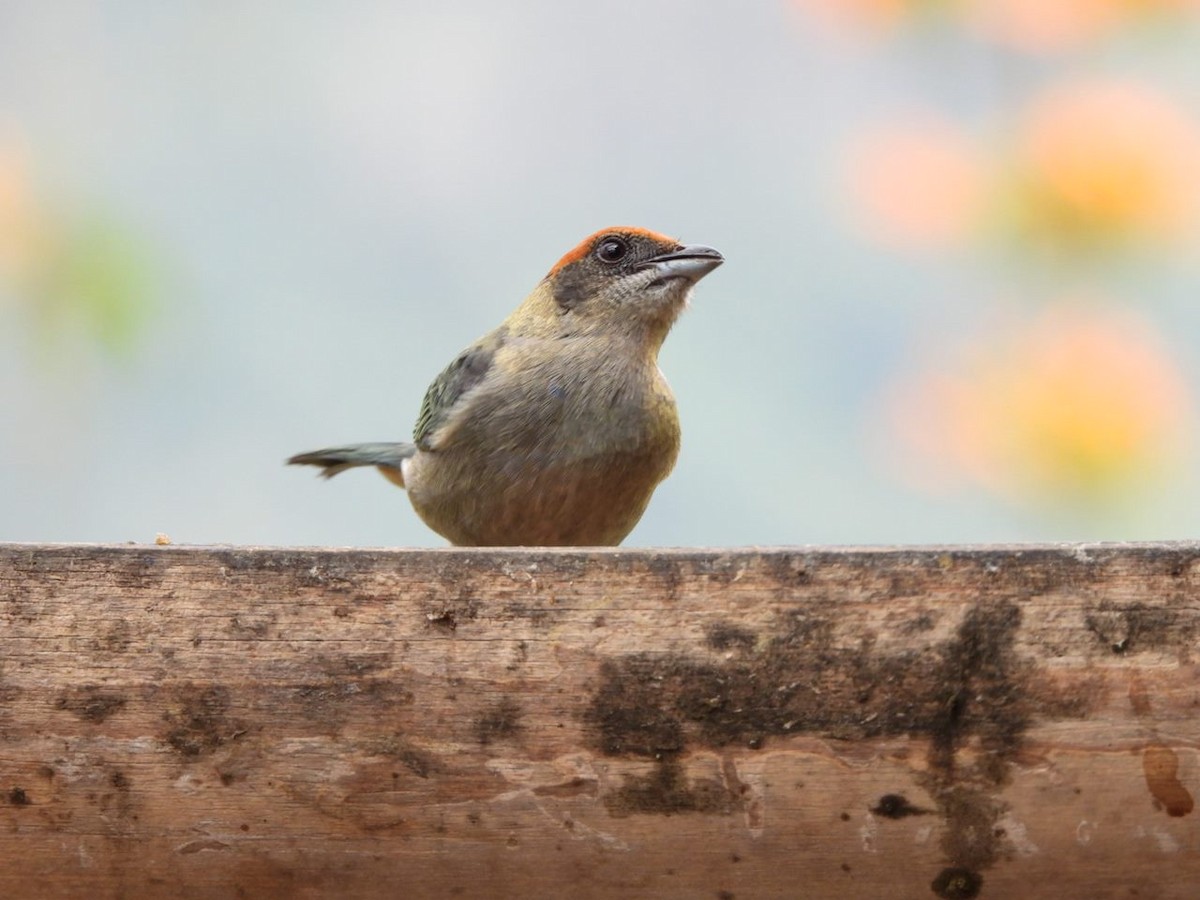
960,302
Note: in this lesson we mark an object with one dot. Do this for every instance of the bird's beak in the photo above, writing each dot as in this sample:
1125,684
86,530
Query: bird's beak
692,262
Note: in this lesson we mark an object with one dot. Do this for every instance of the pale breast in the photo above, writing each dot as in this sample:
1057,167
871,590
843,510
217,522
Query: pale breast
571,459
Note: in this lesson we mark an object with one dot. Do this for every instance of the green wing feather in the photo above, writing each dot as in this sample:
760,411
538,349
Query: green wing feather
467,370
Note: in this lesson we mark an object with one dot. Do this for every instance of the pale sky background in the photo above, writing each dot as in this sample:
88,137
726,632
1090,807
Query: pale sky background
339,197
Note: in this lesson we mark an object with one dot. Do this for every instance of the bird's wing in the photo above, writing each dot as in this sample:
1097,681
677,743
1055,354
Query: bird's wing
468,370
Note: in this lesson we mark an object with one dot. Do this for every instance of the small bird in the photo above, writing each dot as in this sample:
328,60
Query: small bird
554,429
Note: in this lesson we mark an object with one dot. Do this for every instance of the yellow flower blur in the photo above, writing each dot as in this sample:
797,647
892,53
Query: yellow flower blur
23,237
1104,161
1030,26
1082,403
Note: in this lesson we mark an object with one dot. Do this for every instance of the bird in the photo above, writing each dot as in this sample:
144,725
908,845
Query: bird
555,428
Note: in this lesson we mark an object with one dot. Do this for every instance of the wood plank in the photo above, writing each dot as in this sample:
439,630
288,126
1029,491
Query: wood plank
754,723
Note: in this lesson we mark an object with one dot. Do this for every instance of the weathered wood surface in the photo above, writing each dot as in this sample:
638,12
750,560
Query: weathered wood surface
955,722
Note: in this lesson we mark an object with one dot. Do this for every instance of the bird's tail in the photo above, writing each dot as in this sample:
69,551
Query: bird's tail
332,460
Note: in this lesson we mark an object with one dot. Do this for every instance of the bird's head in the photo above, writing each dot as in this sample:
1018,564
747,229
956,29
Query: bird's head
626,280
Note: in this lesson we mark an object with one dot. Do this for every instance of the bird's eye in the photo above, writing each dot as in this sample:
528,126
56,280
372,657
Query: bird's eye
612,250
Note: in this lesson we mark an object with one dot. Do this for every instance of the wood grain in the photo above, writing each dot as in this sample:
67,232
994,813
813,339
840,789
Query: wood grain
1000,722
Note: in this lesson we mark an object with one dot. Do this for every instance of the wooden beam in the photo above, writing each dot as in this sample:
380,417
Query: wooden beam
1012,722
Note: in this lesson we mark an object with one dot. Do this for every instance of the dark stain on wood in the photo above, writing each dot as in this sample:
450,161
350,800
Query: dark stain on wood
443,619
798,679
1135,627
90,703
667,574
801,681
520,656
788,570
119,804
502,720
666,790
924,621
397,748
727,635
628,711
896,806
957,884
246,625
970,839
447,616
199,721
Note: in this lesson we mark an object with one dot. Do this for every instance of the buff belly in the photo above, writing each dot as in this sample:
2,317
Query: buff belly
585,502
